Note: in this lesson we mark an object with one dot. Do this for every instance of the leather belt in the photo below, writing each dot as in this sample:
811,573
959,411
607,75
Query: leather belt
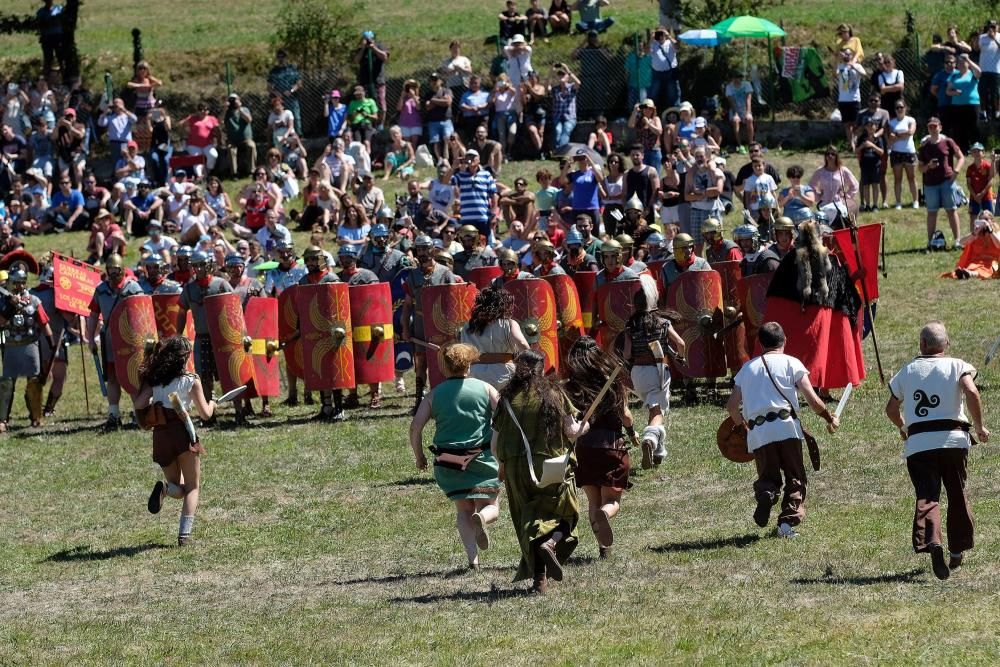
936,426
759,420
493,358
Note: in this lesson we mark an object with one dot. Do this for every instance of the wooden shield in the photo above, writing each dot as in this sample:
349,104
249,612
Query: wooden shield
288,330
165,310
133,328
585,282
327,344
261,317
615,307
371,319
735,339
732,441
482,276
535,310
230,343
446,309
753,298
697,297
403,350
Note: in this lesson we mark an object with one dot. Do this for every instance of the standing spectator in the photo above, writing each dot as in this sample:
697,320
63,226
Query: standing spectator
564,103
437,113
739,94
408,107
642,181
43,102
989,63
477,193
440,192
703,187
939,89
941,160
504,100
239,134
963,89
14,104
759,195
143,85
284,82
371,59
362,114
590,16
490,152
871,148
518,55
537,21
890,81
874,110
560,16
50,35
834,183
456,69
902,153
512,22
40,149
979,178
475,108
335,113
588,183
847,40
648,128
534,100
162,145
119,122
82,102
665,88
849,73
203,134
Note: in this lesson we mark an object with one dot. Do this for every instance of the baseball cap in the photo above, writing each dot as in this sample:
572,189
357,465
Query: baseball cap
132,144
472,153
700,122
334,93
976,147
368,34
70,111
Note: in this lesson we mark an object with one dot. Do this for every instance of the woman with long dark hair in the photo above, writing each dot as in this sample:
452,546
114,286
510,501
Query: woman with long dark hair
497,337
464,464
162,373
532,423
603,462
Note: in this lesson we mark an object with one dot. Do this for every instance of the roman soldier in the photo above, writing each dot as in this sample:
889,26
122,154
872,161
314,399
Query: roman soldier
613,271
576,258
683,260
317,273
784,236
633,215
23,321
628,253
115,287
472,255
755,259
287,273
182,272
60,321
351,274
444,258
654,249
428,272
242,284
377,257
545,253
511,269
155,281
717,247
204,284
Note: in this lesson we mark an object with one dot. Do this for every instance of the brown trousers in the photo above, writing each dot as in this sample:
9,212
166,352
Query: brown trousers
928,470
773,459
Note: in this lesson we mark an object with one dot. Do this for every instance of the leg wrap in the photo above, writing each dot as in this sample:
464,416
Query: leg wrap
33,397
6,398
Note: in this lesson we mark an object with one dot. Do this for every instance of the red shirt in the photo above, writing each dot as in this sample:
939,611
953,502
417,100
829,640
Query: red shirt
978,178
200,130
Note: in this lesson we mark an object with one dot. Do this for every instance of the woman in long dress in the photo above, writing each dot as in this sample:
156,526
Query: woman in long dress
532,423
464,465
603,462
162,373
497,337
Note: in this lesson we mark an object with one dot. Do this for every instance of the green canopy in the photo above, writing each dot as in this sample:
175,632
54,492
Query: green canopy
747,26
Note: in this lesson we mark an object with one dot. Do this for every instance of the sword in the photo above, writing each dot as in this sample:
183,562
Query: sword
231,394
426,344
100,374
175,401
657,351
729,327
993,351
843,400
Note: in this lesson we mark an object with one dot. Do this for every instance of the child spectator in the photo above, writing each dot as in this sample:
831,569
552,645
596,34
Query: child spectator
871,148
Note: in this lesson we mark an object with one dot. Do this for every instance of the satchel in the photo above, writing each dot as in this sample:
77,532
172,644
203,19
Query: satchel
811,445
553,469
150,416
455,460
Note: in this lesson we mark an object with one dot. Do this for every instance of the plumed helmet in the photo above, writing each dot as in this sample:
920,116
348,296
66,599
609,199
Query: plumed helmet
184,251
611,247
507,255
348,250
235,260
633,204
745,231
683,241
423,241
784,223
114,261
625,240
574,237
380,231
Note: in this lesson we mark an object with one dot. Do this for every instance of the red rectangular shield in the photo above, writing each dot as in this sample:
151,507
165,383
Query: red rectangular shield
615,307
869,242
697,296
132,328
327,344
753,297
446,309
735,340
535,310
261,317
230,342
585,282
288,331
371,319
482,276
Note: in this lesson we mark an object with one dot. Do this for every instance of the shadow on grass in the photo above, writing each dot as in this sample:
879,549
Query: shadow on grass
84,553
381,413
737,541
493,595
410,576
411,481
908,577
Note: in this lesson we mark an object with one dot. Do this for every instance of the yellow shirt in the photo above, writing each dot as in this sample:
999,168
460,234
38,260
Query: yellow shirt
854,44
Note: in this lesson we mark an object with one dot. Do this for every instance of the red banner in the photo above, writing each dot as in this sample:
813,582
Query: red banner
869,242
74,282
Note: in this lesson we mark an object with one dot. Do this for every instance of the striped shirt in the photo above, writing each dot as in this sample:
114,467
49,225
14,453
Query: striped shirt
474,192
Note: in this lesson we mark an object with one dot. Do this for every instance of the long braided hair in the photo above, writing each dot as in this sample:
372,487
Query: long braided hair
529,377
589,367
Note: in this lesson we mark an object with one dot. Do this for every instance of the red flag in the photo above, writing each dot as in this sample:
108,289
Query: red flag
870,242
74,282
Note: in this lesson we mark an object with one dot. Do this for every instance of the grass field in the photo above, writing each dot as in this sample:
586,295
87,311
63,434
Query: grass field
323,544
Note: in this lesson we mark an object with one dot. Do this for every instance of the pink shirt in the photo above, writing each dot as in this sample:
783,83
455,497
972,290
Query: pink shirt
200,130
409,115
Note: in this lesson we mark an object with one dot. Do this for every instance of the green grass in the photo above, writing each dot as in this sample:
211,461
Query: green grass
323,544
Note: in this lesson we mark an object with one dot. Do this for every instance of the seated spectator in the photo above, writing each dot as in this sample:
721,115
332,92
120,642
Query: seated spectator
455,150
116,202
130,168
106,239
440,192
600,140
590,16
35,214
256,200
537,20
336,166
796,201
474,108
66,208
535,102
980,251
158,243
327,210
431,221
517,204
512,22
370,197
355,226
41,152
293,156
335,113
560,16
202,135
409,206
217,200
16,217
739,95
399,157
362,114
280,174
141,209
273,232
410,121
238,122
175,201
69,138
15,150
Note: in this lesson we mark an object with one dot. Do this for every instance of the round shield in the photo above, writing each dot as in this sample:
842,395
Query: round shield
732,441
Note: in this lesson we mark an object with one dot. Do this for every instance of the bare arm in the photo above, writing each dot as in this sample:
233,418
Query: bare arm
817,404
520,342
975,406
204,407
420,420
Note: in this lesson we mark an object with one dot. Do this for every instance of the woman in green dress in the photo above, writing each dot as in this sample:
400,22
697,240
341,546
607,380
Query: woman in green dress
464,465
544,518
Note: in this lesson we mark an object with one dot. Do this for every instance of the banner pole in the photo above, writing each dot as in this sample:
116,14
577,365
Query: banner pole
83,365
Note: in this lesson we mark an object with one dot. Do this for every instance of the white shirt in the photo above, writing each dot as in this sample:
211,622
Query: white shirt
268,238
281,124
929,388
157,247
188,220
458,70
664,55
848,83
760,397
900,125
182,385
989,53
518,64
760,187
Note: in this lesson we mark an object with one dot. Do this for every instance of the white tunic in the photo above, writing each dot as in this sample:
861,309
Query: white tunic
929,388
761,397
182,385
496,338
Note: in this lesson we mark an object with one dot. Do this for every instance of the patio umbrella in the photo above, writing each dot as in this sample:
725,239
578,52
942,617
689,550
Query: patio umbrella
747,26
706,37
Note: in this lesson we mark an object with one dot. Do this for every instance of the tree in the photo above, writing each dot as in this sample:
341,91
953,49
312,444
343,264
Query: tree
69,57
317,34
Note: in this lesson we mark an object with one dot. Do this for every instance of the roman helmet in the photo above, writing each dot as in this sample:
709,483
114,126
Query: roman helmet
505,255
747,233
611,247
633,204
711,230
784,224
315,252
348,250
235,259
574,237
379,231
627,243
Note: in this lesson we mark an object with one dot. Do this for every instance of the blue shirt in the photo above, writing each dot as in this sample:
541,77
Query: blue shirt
940,79
584,190
475,100
474,192
143,203
335,121
72,200
968,87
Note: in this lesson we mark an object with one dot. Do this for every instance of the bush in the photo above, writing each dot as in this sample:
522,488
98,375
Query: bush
317,34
